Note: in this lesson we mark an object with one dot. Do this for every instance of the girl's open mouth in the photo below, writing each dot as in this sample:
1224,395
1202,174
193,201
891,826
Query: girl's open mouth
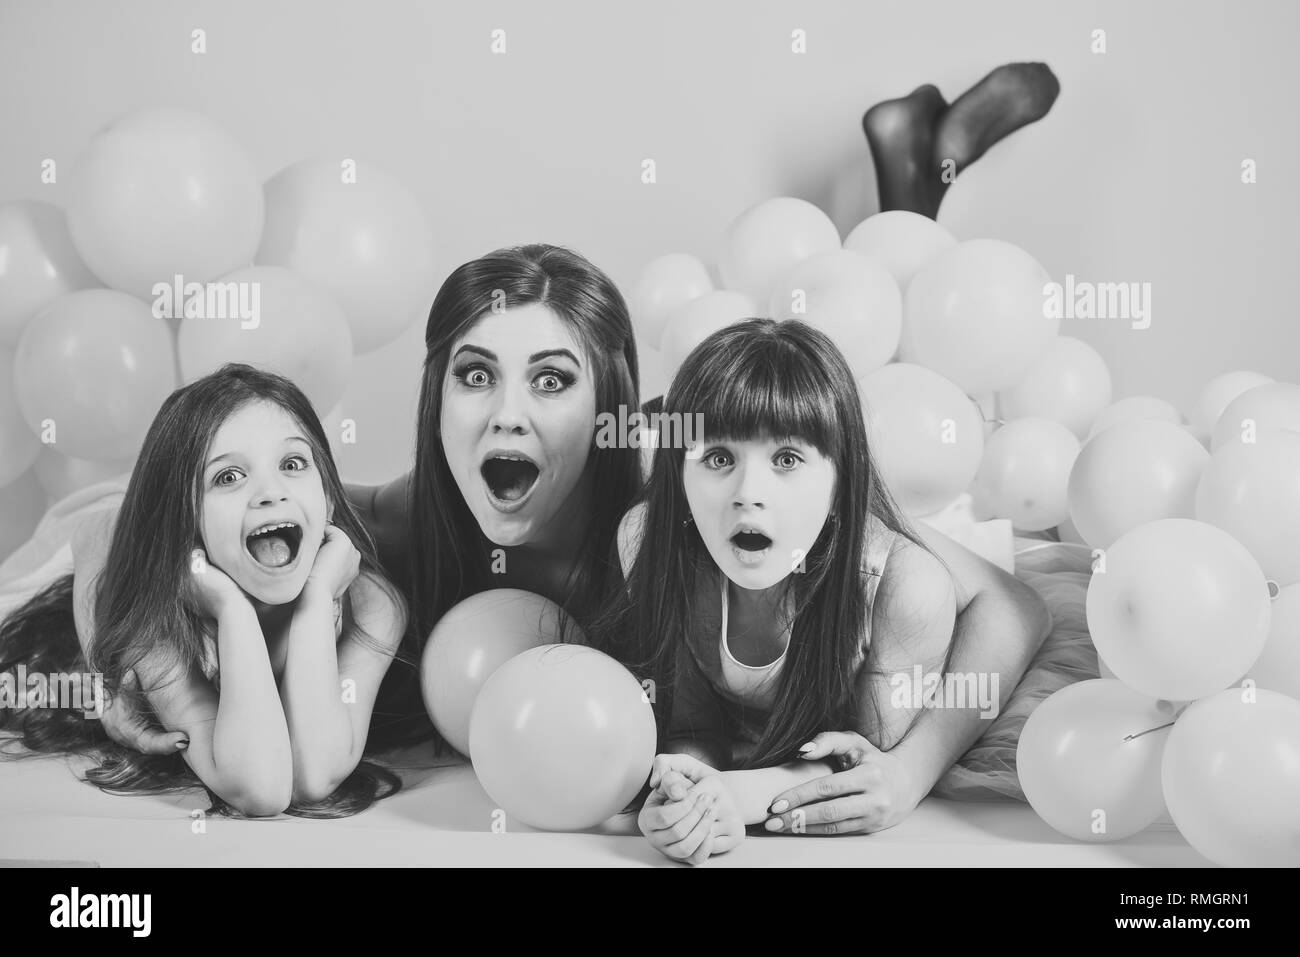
510,478
275,544
751,541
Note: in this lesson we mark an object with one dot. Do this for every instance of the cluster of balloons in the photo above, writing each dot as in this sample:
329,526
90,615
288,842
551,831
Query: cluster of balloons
172,258
561,736
1194,520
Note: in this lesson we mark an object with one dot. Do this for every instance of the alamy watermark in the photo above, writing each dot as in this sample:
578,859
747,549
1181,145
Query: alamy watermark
209,300
653,430
922,689
71,690
1098,300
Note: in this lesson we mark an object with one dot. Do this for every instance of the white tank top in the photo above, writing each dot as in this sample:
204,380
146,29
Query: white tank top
751,683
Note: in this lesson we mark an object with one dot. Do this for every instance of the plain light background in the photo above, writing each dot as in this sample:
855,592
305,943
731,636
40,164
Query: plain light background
1135,175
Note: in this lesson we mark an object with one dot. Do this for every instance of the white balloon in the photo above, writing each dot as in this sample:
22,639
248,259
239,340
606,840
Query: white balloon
1216,396
665,284
849,297
1135,407
770,237
1069,383
902,241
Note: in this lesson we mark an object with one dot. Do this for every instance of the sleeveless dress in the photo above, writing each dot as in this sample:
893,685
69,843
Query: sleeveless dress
744,693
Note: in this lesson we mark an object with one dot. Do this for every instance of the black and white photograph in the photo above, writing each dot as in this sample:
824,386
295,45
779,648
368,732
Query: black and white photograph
686,435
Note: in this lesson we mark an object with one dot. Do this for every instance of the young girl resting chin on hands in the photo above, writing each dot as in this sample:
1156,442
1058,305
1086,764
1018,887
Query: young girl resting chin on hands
237,600
773,591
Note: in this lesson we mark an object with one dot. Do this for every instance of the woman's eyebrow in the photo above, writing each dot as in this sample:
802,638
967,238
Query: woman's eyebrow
478,350
547,353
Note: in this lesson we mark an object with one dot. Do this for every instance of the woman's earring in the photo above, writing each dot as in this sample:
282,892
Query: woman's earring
689,519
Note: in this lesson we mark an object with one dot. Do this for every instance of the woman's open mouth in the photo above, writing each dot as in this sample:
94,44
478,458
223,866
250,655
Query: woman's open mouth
510,478
275,544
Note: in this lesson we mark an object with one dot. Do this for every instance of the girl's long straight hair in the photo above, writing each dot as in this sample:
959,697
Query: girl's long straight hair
449,557
761,379
142,598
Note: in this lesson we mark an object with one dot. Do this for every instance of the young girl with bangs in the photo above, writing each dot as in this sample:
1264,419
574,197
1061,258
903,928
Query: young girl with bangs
773,591
239,606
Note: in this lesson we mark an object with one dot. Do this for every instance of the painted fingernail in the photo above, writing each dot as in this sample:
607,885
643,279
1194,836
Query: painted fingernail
774,824
807,747
182,744
780,806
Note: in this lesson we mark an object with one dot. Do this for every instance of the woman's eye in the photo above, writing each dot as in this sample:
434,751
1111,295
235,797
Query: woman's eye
226,474
476,377
553,381
299,462
717,460
787,461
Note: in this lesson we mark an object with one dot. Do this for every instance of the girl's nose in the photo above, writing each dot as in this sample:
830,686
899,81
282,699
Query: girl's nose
751,487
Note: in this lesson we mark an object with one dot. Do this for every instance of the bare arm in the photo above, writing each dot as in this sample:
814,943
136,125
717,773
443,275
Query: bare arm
1001,623
239,741
329,689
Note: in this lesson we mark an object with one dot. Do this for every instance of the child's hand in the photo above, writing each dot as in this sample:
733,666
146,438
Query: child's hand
336,565
690,814
875,791
214,591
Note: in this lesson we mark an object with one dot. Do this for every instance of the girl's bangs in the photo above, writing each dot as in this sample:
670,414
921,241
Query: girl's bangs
767,394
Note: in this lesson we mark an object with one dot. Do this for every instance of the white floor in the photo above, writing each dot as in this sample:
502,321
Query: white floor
443,817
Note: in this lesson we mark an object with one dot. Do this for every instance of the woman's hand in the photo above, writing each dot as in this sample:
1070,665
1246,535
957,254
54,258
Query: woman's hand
690,815
336,566
214,591
875,790
125,725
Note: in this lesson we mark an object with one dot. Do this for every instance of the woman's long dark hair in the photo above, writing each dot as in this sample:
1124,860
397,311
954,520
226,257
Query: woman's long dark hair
449,555
142,598
762,379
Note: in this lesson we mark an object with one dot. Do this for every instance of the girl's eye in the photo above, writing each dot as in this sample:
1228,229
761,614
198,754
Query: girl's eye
220,479
553,380
300,461
787,461
717,459
476,377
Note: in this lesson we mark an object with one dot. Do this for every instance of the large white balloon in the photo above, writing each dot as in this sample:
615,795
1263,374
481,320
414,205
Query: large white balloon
38,263
692,323
1085,766
161,193
1069,384
1025,473
1178,608
665,284
848,296
1274,405
1251,490
902,241
1134,472
976,315
925,435
769,238
299,333
1216,395
1231,778
365,240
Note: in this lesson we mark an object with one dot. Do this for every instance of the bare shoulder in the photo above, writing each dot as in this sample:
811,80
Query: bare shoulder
631,529
917,595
